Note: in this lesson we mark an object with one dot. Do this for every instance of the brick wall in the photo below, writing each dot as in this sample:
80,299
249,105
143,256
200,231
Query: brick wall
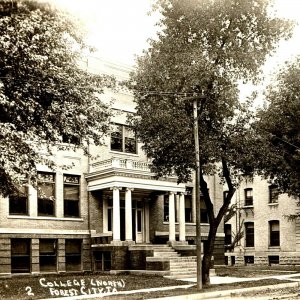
261,213
137,259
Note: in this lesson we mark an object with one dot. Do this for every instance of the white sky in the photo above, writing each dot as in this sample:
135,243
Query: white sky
119,29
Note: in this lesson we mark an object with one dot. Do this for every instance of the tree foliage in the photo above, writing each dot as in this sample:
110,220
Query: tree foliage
205,47
44,94
279,129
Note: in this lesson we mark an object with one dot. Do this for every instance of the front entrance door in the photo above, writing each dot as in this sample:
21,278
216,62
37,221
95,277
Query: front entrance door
137,221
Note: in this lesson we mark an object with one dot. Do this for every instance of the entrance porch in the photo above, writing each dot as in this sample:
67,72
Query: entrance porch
123,194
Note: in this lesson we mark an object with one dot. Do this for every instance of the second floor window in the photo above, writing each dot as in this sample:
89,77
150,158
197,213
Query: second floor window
46,194
71,195
123,139
248,197
18,202
273,194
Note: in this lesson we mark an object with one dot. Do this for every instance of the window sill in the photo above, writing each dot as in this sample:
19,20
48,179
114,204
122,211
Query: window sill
273,204
249,248
274,248
18,215
247,206
46,218
190,224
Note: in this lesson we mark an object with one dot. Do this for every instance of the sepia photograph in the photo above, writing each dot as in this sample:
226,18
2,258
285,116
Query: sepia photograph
150,149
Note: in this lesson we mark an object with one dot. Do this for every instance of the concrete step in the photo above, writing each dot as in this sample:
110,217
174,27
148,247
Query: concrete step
187,267
183,259
161,258
163,250
183,263
166,254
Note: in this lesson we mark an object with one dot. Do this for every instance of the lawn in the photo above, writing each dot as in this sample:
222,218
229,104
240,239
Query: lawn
52,286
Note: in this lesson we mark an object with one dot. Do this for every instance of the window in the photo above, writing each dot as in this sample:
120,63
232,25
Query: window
123,139
166,208
249,234
188,198
46,194
274,233
70,139
248,197
203,210
139,220
273,194
273,259
225,194
249,259
102,260
20,255
48,255
109,214
227,230
71,195
73,255
18,202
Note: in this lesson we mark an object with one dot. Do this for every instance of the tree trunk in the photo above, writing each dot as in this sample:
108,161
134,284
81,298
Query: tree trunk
208,253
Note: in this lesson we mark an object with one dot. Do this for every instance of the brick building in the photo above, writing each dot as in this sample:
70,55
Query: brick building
105,213
269,237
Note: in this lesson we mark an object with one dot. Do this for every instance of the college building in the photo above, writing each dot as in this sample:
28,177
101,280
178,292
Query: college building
106,213
260,232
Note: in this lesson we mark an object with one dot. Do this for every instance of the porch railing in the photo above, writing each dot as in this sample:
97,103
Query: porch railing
121,163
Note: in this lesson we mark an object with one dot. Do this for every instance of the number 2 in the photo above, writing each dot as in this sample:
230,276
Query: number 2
29,291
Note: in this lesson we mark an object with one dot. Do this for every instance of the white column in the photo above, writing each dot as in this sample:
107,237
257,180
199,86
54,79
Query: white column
116,214
128,215
59,198
147,229
181,217
171,217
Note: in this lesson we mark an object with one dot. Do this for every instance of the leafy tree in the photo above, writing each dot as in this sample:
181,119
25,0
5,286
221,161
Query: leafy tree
44,94
204,49
279,129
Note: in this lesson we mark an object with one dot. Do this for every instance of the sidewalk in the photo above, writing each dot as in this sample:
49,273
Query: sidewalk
227,293
225,279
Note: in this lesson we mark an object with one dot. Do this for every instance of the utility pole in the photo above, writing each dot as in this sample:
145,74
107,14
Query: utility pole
197,186
198,208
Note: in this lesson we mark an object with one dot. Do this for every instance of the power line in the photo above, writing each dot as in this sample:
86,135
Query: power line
277,137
